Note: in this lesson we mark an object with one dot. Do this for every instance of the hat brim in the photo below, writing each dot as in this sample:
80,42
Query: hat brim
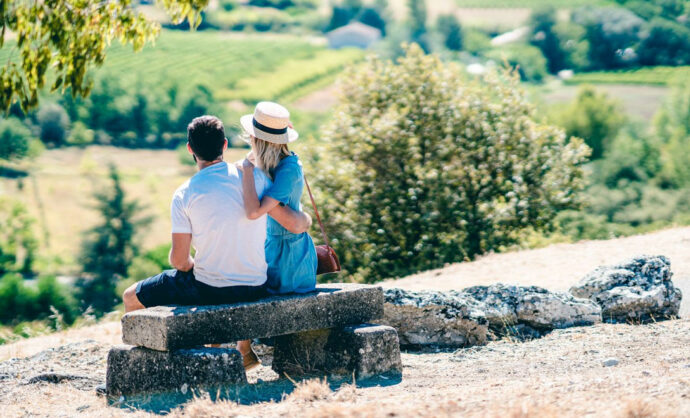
248,125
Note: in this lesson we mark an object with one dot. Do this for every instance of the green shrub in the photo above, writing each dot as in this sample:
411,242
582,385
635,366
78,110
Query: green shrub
528,60
421,167
54,123
451,31
80,135
20,301
15,139
18,243
593,117
667,43
672,127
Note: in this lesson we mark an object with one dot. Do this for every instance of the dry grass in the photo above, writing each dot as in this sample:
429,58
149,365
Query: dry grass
58,194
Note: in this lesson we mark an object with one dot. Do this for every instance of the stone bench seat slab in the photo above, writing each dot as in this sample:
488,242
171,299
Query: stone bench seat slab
332,305
136,370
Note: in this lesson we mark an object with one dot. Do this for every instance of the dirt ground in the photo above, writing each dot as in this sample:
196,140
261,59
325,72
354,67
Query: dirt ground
561,374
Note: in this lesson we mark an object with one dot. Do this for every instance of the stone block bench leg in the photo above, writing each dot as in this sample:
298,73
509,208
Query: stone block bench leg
367,350
135,370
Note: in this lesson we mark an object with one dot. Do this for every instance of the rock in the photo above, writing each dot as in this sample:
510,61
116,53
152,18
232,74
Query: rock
134,370
446,319
331,305
367,350
534,307
639,289
610,362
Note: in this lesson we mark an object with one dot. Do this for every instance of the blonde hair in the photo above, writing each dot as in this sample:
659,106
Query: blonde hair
267,155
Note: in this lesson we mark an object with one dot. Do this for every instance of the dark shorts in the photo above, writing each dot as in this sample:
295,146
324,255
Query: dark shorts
173,287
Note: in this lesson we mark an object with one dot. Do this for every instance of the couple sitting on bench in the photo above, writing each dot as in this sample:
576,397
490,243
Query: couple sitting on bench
241,255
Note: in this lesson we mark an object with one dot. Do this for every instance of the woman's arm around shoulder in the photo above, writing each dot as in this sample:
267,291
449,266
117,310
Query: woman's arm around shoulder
253,207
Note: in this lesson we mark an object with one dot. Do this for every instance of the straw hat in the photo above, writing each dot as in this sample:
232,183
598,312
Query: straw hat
270,122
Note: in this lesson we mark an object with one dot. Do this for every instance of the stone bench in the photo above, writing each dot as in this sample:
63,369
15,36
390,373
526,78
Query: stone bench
322,331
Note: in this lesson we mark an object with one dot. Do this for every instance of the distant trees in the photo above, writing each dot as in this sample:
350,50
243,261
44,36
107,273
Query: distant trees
543,35
451,31
672,128
344,12
444,169
15,139
53,123
417,20
18,244
109,247
594,117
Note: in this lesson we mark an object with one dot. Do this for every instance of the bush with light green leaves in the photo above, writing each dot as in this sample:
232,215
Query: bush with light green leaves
421,167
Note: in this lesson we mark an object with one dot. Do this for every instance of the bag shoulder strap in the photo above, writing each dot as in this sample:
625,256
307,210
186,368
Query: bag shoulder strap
316,212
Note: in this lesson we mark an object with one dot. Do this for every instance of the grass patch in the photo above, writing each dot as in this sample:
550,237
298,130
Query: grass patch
646,75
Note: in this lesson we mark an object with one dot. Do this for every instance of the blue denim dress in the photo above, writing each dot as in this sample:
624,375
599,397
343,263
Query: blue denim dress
291,257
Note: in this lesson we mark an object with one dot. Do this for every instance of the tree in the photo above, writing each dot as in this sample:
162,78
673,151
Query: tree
110,247
418,18
18,243
54,123
421,167
545,37
15,139
69,37
451,31
667,43
612,34
594,117
672,128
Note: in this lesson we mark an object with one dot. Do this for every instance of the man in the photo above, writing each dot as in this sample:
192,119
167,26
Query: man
207,212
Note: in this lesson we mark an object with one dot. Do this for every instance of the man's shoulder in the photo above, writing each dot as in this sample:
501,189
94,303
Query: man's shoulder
182,190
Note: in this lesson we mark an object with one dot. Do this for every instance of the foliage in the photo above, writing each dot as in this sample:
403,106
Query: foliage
22,302
672,127
109,248
443,168
528,61
593,117
18,242
544,37
417,21
15,139
451,31
667,43
69,37
53,123
612,34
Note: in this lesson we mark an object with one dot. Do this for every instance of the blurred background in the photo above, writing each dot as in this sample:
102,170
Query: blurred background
86,182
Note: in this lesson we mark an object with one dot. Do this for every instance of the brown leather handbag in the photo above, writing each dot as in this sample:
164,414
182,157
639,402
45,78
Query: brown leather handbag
328,259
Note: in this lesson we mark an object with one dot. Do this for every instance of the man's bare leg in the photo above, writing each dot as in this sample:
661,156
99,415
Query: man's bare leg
129,297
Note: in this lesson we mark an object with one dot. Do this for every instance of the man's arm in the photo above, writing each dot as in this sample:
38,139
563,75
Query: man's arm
180,257
293,221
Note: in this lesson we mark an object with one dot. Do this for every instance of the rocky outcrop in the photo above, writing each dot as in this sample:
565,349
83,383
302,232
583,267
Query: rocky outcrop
444,319
531,311
639,289
480,313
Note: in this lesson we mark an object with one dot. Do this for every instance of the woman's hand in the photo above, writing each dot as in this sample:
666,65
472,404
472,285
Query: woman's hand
245,166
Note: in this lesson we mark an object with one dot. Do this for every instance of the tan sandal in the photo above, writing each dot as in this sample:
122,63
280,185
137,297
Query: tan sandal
250,360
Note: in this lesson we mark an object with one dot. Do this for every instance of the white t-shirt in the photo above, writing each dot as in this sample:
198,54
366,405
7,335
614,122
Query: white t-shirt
229,246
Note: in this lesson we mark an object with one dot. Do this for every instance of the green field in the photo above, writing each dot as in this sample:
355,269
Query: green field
486,4
645,75
233,66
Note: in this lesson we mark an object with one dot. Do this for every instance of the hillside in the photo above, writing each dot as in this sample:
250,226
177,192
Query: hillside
561,374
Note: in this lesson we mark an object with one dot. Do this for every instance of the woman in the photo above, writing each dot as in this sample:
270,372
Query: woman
291,258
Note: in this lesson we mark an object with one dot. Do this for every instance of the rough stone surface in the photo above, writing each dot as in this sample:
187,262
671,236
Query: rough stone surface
446,319
134,370
367,350
534,307
331,305
639,289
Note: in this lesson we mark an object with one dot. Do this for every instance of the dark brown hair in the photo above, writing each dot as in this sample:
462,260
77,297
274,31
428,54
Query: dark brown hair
206,136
